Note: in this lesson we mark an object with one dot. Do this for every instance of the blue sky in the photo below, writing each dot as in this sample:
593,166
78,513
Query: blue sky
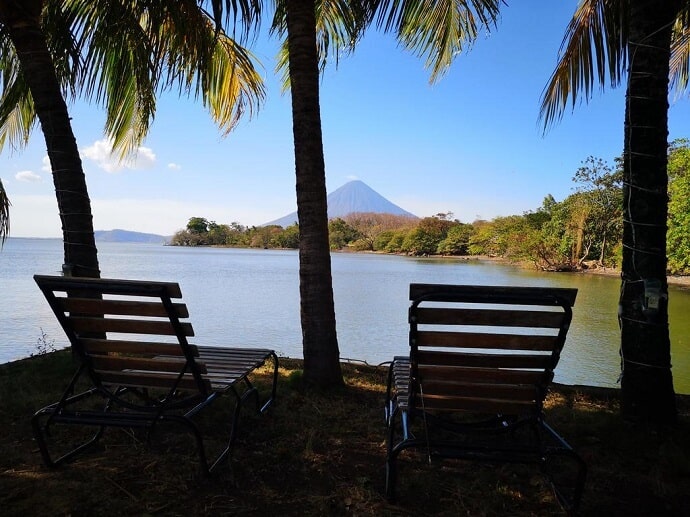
470,144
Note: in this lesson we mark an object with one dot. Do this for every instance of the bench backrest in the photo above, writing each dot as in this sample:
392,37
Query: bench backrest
127,332
488,349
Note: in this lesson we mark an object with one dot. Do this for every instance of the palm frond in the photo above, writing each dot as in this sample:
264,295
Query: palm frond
17,114
231,86
211,65
437,30
157,46
680,52
594,48
244,15
17,117
59,27
4,214
339,25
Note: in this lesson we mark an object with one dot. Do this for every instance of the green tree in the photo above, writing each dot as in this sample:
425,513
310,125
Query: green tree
369,225
340,233
601,187
511,237
382,240
218,234
288,238
181,238
394,243
560,236
426,237
457,240
121,54
420,243
678,236
608,38
265,236
238,235
482,241
198,225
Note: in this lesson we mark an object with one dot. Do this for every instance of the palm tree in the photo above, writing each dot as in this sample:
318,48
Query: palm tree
608,36
123,54
21,23
319,341
4,214
436,30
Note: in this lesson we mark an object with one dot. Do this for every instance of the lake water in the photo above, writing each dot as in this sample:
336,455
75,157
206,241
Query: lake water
243,297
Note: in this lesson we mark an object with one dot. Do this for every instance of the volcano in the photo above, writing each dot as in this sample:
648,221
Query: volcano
354,196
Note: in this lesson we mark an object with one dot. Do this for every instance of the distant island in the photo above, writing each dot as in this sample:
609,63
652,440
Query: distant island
128,236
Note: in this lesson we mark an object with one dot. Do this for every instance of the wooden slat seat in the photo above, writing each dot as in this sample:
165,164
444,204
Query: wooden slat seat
481,359
131,338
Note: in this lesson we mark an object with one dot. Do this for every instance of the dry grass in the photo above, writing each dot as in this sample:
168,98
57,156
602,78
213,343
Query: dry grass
322,454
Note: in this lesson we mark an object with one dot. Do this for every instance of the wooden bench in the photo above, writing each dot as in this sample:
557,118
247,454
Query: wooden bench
473,387
131,343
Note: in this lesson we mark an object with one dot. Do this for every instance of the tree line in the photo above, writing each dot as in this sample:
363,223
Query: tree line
582,231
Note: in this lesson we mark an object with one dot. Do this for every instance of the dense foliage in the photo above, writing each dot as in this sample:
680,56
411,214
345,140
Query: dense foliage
678,236
582,231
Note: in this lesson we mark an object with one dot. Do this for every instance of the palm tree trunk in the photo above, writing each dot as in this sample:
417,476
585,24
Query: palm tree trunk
74,205
319,340
647,384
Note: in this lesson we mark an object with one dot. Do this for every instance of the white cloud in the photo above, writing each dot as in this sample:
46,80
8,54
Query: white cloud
28,176
46,164
144,159
174,166
101,152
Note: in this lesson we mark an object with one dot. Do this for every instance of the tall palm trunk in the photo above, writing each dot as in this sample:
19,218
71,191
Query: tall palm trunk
22,20
647,384
319,340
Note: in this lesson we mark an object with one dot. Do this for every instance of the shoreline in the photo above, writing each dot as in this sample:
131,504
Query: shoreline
682,281
675,280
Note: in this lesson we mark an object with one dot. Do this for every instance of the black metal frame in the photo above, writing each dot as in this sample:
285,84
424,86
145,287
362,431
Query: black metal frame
404,402
132,407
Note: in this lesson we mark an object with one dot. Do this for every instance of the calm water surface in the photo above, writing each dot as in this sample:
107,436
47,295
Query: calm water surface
251,298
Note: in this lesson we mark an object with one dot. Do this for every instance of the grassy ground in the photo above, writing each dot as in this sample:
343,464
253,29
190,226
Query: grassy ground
322,454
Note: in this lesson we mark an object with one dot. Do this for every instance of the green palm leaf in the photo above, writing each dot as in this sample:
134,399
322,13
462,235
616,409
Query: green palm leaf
680,52
594,48
339,25
437,30
122,54
4,214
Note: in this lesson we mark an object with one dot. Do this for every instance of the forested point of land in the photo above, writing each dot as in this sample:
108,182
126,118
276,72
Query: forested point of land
582,231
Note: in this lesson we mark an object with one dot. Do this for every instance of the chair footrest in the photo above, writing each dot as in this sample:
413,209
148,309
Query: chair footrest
111,419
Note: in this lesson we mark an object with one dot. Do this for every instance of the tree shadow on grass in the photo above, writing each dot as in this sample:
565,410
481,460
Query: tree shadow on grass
322,453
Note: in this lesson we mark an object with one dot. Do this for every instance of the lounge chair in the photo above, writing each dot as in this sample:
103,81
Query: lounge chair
473,387
136,368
